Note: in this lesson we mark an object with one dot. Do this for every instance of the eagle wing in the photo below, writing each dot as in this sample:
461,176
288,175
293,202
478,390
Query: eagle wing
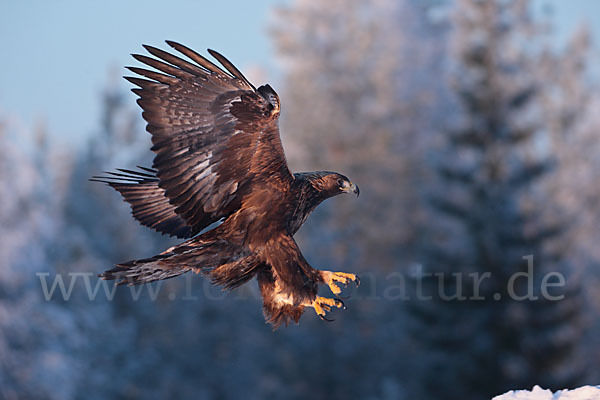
148,202
213,133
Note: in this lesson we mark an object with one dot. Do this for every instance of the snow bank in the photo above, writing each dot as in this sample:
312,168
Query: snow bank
537,393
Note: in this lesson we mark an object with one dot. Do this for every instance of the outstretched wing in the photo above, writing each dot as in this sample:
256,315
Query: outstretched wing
213,133
148,202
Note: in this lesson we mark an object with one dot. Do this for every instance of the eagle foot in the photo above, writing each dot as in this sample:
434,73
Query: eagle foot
323,305
331,279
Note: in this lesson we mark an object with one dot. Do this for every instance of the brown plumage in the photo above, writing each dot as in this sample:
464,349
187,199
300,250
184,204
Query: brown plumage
219,157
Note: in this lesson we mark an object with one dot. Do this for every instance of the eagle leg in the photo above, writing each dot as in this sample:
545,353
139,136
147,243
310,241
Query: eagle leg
331,278
322,306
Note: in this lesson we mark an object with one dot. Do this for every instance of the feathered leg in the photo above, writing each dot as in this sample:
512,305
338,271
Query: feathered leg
279,306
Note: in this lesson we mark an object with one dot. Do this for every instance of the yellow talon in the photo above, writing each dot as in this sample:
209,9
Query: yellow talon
322,306
335,289
325,301
318,309
330,278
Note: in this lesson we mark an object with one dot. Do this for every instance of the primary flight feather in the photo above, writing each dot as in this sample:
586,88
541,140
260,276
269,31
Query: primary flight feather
218,156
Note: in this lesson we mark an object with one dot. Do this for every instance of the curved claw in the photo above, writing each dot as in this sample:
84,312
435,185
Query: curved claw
343,306
343,297
357,281
325,319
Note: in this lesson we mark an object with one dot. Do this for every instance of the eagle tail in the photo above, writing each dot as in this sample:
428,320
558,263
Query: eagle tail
146,270
227,264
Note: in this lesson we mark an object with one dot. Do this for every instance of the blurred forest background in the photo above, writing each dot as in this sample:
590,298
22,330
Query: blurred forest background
475,141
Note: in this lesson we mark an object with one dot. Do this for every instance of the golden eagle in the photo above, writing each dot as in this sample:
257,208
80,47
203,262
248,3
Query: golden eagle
219,158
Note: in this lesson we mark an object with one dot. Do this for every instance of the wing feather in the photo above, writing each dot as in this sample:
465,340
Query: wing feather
148,202
194,70
191,54
230,67
213,133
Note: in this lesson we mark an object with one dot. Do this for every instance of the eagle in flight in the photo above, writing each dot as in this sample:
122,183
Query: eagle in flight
218,157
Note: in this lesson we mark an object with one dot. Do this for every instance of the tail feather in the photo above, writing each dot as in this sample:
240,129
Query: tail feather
144,271
227,264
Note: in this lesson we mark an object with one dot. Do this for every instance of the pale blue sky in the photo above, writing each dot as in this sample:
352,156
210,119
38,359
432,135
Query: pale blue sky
56,55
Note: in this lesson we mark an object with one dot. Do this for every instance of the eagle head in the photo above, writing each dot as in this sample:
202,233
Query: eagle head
331,184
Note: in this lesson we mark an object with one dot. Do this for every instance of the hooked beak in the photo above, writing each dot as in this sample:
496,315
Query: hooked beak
353,189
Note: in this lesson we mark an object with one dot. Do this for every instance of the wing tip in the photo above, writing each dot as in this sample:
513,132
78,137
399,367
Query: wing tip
230,67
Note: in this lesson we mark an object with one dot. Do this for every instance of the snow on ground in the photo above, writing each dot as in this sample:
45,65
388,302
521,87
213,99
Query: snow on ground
537,393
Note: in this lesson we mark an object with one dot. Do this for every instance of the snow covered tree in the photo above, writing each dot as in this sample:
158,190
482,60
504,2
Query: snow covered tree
45,348
27,221
571,101
490,214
